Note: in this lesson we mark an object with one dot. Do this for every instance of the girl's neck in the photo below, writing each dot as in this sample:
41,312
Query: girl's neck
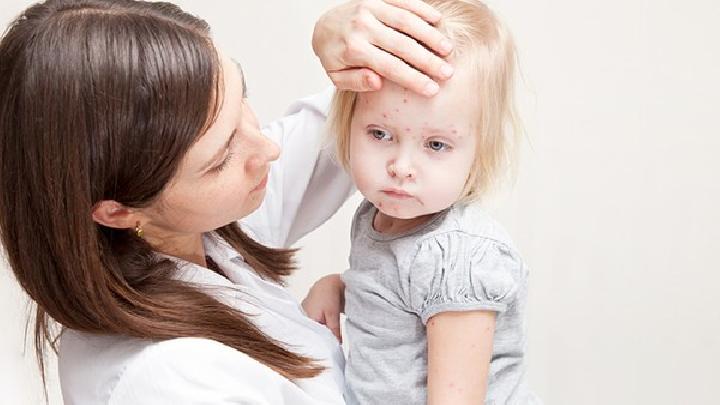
386,224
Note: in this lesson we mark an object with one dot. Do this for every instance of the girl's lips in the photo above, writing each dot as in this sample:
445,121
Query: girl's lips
396,193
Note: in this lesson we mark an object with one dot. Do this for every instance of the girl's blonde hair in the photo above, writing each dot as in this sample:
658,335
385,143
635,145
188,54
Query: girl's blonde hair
480,42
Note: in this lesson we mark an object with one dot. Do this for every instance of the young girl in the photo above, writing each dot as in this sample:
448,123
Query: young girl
435,295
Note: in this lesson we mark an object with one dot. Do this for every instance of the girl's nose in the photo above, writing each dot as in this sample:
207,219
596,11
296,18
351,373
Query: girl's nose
401,170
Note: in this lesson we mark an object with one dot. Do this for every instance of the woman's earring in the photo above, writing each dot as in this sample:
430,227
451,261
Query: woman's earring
138,230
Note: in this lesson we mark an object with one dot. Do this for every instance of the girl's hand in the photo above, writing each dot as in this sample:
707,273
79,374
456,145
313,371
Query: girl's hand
325,301
363,40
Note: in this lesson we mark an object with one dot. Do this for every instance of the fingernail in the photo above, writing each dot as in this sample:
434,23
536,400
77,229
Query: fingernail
431,89
447,71
446,46
370,82
367,82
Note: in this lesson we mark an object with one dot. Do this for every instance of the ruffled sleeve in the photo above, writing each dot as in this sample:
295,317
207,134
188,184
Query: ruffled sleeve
456,271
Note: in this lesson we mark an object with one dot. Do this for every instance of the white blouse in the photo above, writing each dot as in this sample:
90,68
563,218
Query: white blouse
305,188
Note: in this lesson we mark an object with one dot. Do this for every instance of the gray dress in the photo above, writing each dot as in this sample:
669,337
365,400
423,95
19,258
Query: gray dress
461,260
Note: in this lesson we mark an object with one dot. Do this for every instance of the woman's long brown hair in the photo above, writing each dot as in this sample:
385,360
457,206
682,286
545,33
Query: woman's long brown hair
100,100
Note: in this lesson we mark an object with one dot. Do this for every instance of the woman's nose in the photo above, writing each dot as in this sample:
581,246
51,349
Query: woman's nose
261,151
268,150
272,149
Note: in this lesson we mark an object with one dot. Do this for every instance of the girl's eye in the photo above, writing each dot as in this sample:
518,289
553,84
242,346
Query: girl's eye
437,146
380,134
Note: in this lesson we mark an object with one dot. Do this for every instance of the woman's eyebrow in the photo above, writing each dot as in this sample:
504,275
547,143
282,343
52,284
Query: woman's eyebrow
242,75
219,153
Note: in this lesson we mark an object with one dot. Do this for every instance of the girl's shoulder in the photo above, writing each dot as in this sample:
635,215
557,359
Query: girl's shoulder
469,221
467,262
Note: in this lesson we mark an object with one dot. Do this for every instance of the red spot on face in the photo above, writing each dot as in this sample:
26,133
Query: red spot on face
384,115
407,129
405,101
454,131
397,110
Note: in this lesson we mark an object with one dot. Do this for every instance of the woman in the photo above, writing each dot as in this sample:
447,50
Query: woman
128,153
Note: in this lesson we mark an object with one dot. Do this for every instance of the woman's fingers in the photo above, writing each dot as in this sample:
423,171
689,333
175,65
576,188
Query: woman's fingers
356,79
364,42
412,24
394,69
419,8
414,54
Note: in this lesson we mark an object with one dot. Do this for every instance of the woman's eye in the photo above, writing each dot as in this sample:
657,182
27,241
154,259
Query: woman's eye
219,168
380,134
222,165
437,146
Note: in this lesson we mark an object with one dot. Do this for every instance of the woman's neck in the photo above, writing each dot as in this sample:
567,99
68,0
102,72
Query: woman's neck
188,247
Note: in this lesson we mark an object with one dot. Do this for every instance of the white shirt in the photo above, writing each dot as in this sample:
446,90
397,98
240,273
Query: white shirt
305,188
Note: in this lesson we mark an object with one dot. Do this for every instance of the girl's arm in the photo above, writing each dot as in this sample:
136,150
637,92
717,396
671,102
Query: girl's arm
460,348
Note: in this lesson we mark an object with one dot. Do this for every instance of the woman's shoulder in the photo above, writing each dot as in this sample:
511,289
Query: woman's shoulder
96,369
90,365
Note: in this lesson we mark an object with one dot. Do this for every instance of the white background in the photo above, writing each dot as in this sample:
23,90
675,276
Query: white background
614,208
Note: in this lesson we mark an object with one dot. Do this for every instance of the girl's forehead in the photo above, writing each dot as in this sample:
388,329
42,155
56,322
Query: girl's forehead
453,106
391,93
456,89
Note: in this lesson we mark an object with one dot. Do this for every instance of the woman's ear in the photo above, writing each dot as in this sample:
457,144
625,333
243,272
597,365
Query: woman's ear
115,215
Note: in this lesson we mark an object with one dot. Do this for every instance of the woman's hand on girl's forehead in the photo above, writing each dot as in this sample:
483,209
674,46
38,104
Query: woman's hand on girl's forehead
363,41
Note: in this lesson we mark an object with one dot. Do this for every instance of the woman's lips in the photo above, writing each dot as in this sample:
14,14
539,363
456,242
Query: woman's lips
262,184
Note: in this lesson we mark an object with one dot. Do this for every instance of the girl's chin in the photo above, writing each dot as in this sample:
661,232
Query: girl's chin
398,211
392,210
